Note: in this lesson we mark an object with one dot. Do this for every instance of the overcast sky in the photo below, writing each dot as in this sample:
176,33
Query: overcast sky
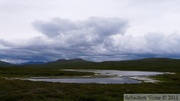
96,30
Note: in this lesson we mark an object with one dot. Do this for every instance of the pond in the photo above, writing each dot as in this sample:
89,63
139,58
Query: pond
104,77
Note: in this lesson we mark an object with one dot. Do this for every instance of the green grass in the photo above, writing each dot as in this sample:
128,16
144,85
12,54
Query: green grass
19,90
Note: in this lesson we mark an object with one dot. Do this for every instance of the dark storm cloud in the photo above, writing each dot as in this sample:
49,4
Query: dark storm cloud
81,35
67,39
95,39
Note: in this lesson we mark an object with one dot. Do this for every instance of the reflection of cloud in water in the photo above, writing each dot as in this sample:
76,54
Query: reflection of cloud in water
104,77
89,80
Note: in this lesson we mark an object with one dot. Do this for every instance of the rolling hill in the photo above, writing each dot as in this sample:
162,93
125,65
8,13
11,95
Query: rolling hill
147,64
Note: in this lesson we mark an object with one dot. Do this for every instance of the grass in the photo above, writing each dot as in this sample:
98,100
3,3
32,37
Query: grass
19,90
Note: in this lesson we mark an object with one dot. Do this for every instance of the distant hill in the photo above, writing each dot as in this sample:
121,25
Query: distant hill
147,64
63,62
71,60
2,63
32,62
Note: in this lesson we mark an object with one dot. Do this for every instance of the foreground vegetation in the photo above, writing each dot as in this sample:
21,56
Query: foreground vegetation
19,90
16,90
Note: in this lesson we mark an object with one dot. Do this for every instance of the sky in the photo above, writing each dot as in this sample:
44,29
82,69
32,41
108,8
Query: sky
95,30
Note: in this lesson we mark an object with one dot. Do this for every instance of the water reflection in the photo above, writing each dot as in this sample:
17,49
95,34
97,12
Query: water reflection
89,80
105,77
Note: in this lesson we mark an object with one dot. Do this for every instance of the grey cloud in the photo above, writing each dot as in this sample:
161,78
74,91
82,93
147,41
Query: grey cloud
54,27
67,39
94,39
106,26
93,25
81,34
160,43
4,43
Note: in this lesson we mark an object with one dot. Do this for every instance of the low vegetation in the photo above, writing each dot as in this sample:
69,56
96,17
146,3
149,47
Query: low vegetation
37,72
21,90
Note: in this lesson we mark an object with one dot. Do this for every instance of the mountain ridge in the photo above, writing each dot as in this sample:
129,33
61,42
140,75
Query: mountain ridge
146,64
32,62
149,61
72,60
3,63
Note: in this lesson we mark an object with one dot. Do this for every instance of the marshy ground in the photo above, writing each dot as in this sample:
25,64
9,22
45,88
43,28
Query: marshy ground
22,90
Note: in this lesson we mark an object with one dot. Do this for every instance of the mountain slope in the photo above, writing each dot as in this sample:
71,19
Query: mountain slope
2,63
71,63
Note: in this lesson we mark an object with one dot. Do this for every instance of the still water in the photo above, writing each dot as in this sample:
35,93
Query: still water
104,77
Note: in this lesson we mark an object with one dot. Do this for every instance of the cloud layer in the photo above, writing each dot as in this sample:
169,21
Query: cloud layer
95,39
